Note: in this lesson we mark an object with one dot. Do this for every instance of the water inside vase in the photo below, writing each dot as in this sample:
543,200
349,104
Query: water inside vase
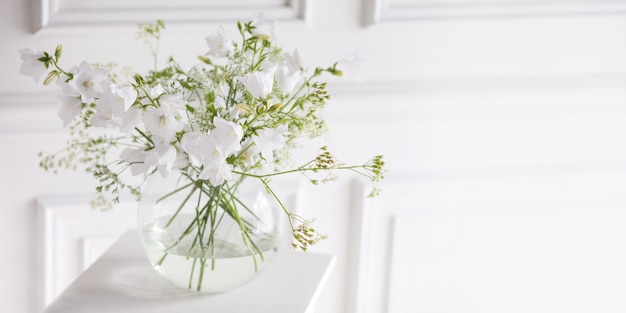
223,265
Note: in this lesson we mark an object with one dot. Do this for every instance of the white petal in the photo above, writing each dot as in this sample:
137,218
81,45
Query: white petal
259,83
218,43
350,67
31,66
227,135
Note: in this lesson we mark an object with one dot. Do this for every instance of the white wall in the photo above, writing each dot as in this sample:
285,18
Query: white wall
502,124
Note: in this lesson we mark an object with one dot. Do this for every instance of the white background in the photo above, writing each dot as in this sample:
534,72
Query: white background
502,123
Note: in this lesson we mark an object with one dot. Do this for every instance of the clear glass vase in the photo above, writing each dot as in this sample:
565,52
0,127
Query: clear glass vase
205,238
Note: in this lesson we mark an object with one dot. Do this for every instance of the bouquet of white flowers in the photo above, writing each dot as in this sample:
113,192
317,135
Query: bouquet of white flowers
234,116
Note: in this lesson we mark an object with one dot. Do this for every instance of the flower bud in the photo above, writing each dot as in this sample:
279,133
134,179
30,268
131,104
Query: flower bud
261,37
275,107
57,52
51,78
261,108
204,59
243,108
335,72
139,79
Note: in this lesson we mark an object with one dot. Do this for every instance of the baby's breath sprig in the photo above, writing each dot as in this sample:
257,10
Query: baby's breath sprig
109,182
150,34
325,160
304,234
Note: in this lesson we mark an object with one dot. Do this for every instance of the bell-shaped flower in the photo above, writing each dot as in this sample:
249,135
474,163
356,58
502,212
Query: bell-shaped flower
227,135
69,107
70,103
217,173
156,91
113,106
259,83
31,66
163,156
104,116
198,146
263,26
126,95
270,139
130,120
173,104
181,160
294,60
219,44
205,152
350,67
88,81
161,123
63,83
137,159
288,79
250,153
221,94
146,97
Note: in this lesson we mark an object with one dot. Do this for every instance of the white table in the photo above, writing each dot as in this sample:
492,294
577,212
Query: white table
122,280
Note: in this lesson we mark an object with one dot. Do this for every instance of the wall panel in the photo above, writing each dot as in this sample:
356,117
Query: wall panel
79,14
376,11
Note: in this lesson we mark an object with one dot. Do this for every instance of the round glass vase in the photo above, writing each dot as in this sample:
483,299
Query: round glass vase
205,238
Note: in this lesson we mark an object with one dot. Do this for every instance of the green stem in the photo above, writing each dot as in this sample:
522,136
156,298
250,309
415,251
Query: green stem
181,206
193,268
271,191
145,136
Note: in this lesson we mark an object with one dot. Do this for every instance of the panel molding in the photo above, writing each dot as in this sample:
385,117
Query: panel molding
71,235
409,195
376,11
52,14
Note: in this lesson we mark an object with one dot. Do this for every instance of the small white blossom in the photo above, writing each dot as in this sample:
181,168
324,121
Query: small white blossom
217,173
104,117
270,139
218,43
153,93
221,93
31,66
156,91
70,104
163,156
204,151
130,120
350,67
174,105
112,107
294,60
198,146
287,79
227,135
259,83
89,82
161,123
181,160
64,86
137,159
263,26
250,153
126,94
69,107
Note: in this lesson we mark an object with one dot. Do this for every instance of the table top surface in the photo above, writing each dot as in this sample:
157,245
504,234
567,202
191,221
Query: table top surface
123,280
